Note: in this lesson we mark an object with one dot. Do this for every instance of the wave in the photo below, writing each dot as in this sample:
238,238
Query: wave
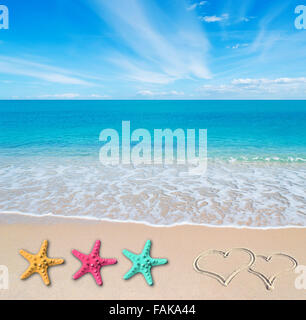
231,193
280,159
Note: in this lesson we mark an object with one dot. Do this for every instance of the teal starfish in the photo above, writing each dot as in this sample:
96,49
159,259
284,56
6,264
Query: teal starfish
142,263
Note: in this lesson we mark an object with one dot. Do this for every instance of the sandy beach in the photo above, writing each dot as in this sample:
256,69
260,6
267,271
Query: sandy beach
176,280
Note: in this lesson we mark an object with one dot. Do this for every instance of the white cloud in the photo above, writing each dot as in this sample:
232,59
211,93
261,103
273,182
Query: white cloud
70,96
210,19
145,93
158,48
195,5
209,88
264,81
138,74
22,67
246,19
263,87
149,93
177,93
98,96
60,96
238,45
57,78
266,39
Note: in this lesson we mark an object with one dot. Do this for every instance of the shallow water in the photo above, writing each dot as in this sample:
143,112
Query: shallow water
49,162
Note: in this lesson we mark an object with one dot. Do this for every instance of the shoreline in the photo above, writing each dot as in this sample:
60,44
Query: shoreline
50,218
176,280
254,197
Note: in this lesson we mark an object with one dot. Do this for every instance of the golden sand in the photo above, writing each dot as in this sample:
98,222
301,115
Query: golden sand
176,280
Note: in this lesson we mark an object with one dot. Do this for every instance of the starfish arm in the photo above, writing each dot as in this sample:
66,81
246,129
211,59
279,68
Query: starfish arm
80,273
147,275
131,273
97,277
43,248
158,262
44,275
129,254
79,255
107,262
27,273
26,255
147,248
55,262
96,249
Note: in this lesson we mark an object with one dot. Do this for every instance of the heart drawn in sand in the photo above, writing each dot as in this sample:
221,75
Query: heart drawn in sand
223,280
269,281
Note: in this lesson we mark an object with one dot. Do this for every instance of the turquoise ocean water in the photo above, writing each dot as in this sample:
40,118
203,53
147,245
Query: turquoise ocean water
242,129
49,162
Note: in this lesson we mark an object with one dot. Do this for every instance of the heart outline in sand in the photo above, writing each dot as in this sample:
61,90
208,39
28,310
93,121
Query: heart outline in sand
269,282
224,281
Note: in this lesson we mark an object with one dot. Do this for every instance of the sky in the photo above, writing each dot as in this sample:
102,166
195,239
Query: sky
152,49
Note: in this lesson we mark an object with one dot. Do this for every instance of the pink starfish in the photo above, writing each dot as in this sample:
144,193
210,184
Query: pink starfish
92,263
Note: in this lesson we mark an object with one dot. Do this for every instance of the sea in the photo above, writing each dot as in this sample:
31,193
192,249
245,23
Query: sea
255,176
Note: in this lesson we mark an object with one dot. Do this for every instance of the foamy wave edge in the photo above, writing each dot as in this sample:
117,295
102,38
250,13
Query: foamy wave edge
34,217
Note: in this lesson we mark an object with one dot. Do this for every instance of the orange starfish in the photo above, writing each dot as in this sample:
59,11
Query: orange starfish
39,263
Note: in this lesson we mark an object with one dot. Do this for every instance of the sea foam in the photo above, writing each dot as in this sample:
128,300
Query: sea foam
231,193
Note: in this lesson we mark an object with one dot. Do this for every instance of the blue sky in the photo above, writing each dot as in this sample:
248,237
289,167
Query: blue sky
145,49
